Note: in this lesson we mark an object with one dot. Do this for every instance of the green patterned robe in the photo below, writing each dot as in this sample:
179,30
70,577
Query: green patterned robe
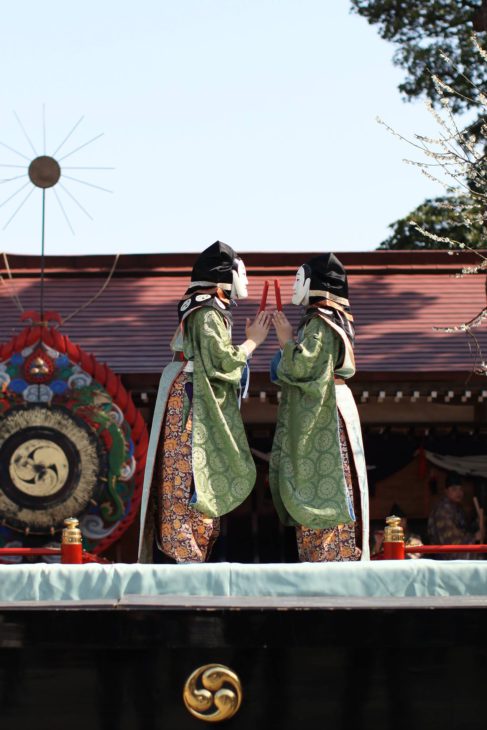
306,475
223,467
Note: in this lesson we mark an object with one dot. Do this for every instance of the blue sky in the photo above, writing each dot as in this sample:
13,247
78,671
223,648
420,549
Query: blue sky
248,121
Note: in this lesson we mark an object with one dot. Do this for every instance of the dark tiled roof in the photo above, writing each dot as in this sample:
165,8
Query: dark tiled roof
396,301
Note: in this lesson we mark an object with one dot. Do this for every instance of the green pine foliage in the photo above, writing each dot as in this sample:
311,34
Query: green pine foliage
444,218
420,29
445,65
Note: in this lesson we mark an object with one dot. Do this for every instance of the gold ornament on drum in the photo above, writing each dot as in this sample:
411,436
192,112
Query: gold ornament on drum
212,693
39,467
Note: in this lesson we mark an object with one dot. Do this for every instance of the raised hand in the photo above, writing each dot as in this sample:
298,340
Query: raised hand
283,327
259,328
257,331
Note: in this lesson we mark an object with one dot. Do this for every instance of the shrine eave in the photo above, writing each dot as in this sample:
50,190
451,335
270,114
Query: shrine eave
398,298
263,262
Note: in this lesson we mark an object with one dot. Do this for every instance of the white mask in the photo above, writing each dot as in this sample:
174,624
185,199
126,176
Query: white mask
301,288
240,282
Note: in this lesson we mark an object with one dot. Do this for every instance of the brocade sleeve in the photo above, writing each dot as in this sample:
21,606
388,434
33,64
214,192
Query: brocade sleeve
220,359
312,358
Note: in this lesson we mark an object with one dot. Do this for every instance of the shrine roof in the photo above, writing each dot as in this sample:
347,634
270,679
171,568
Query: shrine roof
397,297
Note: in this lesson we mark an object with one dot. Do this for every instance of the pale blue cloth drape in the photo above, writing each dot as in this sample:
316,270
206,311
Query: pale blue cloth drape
42,582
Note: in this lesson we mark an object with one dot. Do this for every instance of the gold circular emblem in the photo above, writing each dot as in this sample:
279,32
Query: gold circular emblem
39,467
212,693
50,467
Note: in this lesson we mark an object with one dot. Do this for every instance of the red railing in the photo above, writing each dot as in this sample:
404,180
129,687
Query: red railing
436,549
398,551
60,552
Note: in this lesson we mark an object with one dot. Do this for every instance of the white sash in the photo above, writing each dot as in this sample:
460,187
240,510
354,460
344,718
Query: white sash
348,410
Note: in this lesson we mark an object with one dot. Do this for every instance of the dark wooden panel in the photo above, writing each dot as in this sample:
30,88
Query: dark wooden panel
367,669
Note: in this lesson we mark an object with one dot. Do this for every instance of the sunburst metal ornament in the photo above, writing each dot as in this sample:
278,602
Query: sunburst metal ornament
45,172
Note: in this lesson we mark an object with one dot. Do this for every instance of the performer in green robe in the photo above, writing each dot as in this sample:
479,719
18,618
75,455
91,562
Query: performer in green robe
199,464
318,474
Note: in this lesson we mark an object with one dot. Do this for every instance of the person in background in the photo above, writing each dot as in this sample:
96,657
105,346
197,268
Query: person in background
448,523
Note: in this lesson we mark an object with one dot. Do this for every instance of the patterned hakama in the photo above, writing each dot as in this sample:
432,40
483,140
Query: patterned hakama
341,543
184,533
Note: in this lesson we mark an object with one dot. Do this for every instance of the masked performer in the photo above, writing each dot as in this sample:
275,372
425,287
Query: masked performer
318,474
199,465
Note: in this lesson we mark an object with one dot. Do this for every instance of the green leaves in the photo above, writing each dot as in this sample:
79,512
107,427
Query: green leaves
420,30
454,217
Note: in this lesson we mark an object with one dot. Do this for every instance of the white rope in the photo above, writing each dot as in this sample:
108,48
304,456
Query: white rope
98,294
13,295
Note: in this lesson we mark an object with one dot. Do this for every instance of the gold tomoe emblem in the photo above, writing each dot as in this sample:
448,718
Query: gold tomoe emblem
212,693
39,467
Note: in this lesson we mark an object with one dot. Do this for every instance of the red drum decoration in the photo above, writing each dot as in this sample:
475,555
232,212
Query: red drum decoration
72,443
